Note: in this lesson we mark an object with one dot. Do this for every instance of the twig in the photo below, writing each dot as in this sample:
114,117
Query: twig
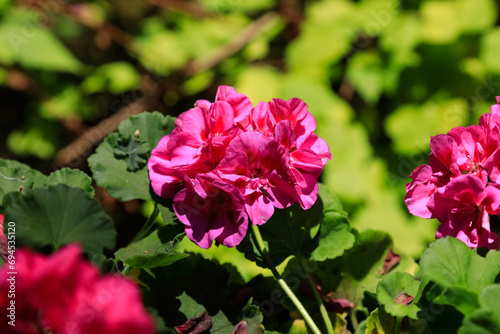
239,41
191,8
281,281
82,145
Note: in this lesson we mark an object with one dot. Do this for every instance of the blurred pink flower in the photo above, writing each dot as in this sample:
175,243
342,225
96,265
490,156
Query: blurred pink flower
3,240
62,293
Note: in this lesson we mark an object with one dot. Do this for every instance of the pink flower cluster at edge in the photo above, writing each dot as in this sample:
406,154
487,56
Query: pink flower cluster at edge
63,294
227,162
461,185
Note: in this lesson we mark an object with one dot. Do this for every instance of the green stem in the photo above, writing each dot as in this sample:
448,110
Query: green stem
322,308
127,270
354,320
398,325
281,281
147,226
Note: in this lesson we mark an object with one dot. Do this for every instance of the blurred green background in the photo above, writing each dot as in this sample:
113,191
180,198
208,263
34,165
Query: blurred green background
380,76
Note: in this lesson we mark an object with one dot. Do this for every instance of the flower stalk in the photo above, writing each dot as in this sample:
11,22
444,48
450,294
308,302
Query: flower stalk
260,243
321,305
147,226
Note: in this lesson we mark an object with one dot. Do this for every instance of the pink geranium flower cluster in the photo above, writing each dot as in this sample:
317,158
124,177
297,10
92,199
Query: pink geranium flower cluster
461,185
226,162
64,294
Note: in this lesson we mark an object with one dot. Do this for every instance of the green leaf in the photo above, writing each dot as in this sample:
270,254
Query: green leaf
485,320
489,49
332,21
476,16
396,292
15,177
459,271
380,322
21,42
185,288
105,265
366,73
461,298
361,266
18,177
162,51
440,24
152,126
156,250
331,202
334,238
116,77
335,231
73,178
58,215
112,173
290,231
432,117
220,323
135,152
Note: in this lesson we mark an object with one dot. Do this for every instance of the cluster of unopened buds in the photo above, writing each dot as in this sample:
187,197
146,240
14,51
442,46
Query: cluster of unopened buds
227,162
461,185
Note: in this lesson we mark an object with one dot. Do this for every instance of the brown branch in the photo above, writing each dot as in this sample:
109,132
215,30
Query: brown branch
74,153
182,6
239,41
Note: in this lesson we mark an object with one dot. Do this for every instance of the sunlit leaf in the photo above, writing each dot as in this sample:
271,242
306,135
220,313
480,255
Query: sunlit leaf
133,151
433,118
396,292
22,39
71,177
114,174
365,71
116,77
490,46
459,271
15,177
440,24
475,16
361,267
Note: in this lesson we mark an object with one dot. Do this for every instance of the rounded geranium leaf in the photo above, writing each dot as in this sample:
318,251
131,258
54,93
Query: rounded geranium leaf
71,177
290,231
156,250
449,262
57,215
15,177
334,238
147,126
459,272
396,292
114,172
486,319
